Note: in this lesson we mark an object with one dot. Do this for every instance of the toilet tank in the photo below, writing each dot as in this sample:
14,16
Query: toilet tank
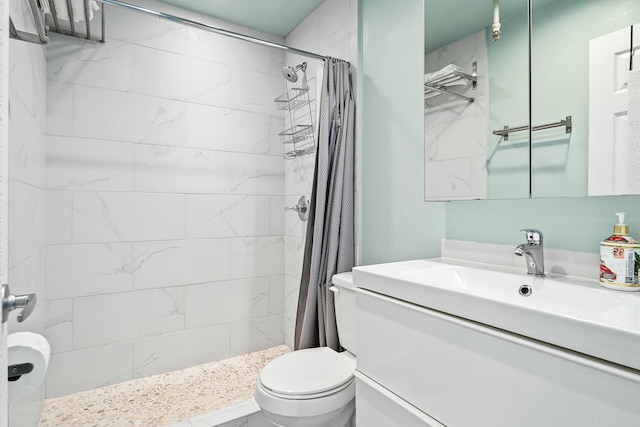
345,302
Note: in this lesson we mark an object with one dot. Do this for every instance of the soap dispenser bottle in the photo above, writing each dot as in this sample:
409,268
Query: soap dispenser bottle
620,259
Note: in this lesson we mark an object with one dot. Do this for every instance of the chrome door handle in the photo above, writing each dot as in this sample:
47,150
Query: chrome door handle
12,302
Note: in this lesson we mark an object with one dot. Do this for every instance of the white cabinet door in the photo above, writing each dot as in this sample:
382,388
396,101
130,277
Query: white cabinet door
378,407
609,59
464,374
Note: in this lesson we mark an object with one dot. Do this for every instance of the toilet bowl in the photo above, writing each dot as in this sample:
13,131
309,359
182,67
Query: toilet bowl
311,388
315,387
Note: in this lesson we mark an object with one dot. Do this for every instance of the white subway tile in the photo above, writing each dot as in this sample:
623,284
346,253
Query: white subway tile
145,30
120,116
113,318
106,65
58,326
180,170
226,129
223,302
208,127
27,72
257,334
59,217
254,91
256,256
181,262
173,76
250,132
277,127
276,294
448,177
89,164
169,352
277,215
465,137
27,144
87,369
115,217
212,216
277,61
293,255
256,174
60,101
226,50
88,269
27,225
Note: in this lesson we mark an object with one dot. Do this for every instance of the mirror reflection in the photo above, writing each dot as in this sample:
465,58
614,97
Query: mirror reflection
582,91
581,67
463,160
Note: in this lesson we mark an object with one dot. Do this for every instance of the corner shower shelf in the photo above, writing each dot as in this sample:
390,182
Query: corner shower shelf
292,99
448,77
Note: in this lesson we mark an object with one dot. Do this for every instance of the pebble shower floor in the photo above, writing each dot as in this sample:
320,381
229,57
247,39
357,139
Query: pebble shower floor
163,399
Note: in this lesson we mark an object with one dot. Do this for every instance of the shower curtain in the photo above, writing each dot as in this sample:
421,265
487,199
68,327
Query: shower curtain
329,246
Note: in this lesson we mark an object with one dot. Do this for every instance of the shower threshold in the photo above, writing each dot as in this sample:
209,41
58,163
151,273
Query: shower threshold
163,399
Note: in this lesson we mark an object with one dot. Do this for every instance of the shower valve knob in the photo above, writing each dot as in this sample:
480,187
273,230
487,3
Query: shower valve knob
302,208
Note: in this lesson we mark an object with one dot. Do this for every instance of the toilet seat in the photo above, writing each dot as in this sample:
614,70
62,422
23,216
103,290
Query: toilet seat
307,374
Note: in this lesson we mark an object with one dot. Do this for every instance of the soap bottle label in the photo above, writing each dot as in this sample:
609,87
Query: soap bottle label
619,264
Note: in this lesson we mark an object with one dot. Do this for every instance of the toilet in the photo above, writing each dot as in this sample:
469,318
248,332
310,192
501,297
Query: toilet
315,387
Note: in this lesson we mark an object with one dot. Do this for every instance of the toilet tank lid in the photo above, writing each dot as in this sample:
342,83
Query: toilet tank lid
343,280
306,372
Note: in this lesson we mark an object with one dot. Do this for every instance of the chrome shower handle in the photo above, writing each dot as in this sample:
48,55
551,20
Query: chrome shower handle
12,302
297,208
302,208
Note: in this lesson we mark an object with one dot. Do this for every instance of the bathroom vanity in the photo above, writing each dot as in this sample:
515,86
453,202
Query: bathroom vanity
459,344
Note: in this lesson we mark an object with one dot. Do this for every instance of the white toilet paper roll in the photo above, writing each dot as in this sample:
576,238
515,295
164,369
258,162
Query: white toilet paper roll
27,347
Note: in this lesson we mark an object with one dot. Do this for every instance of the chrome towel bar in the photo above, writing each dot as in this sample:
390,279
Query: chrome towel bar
507,130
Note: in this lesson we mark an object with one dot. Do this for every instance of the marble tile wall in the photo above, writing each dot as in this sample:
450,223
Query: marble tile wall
27,193
455,130
330,30
165,194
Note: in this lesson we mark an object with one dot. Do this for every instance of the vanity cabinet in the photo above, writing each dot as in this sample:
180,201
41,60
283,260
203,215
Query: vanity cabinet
431,369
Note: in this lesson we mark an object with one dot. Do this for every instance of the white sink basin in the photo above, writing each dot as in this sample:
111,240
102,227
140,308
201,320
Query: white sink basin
565,311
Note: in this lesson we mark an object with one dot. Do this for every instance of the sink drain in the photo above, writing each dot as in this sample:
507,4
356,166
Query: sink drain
525,290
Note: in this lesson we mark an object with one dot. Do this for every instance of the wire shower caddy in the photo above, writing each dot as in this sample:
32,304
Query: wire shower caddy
298,137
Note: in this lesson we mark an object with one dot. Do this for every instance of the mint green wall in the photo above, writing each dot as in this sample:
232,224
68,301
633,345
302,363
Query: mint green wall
395,222
577,224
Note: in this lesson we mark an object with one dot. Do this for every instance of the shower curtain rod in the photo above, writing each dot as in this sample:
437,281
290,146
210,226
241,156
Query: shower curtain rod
212,28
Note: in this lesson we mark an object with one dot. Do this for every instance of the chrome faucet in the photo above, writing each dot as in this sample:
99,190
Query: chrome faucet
532,252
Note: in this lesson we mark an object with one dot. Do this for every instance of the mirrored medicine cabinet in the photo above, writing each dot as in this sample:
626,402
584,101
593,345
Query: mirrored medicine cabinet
478,107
